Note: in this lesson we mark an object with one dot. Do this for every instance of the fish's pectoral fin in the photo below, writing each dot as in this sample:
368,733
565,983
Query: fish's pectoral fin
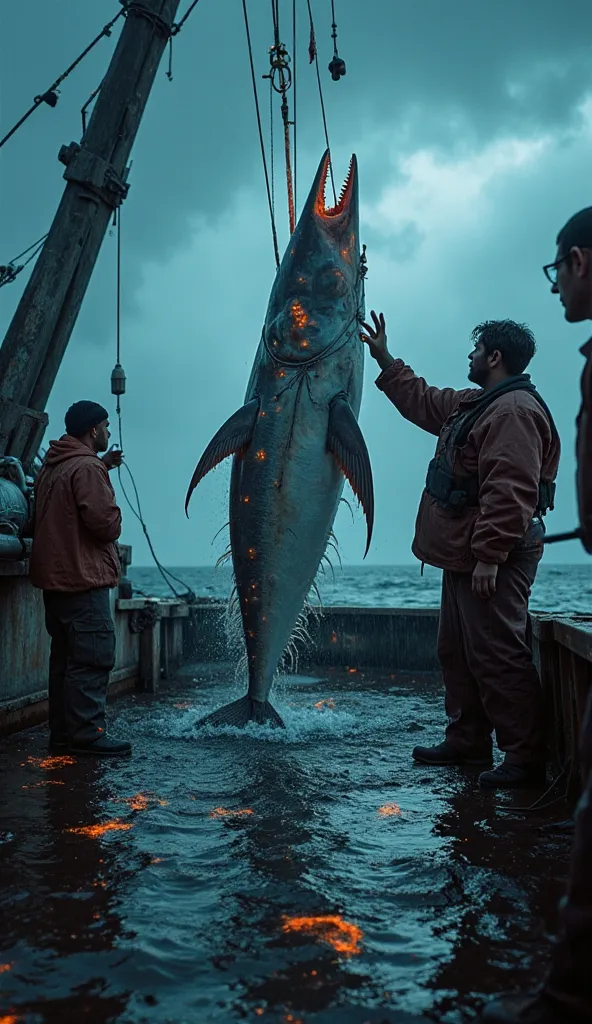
241,712
235,435
346,442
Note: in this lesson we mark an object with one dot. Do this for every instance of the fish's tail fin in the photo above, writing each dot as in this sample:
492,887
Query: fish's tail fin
241,712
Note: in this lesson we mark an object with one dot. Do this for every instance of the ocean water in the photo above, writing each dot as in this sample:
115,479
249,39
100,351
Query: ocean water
558,588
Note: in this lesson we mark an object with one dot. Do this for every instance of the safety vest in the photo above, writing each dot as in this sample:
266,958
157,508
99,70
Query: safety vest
455,493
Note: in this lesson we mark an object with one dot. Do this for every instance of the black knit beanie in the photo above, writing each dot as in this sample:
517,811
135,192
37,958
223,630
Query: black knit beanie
83,416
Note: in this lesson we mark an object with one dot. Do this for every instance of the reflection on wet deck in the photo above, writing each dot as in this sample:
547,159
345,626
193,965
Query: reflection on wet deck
315,875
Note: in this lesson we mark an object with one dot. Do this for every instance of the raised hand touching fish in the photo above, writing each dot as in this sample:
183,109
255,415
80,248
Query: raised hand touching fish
296,437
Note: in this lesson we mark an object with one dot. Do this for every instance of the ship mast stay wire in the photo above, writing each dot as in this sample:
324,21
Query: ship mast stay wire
136,509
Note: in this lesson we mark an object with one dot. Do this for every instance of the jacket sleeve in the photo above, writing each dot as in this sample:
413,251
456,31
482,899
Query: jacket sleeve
510,461
584,458
428,407
95,500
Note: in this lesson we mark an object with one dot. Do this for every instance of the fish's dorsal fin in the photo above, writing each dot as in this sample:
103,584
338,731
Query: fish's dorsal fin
346,443
233,436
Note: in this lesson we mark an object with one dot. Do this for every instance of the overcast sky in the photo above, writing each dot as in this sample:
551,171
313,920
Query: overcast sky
472,123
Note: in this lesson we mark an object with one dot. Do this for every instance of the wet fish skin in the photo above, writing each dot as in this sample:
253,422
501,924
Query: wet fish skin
296,437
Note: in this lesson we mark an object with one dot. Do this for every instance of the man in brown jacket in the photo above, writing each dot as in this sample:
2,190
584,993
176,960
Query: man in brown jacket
75,563
566,995
479,520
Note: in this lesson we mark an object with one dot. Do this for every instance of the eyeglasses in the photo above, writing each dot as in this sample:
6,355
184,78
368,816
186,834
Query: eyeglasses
550,269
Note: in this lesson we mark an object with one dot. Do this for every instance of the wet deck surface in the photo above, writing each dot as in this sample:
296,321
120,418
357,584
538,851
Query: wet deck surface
312,877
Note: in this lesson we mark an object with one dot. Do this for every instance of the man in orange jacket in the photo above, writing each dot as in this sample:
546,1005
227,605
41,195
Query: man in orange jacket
74,561
479,519
566,995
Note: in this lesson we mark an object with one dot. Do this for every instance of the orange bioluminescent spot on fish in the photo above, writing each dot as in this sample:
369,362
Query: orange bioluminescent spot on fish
225,812
330,928
252,553
60,761
299,315
389,810
96,831
327,703
261,455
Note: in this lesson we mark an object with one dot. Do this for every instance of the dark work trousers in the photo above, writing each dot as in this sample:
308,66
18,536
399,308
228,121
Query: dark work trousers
82,655
489,676
570,981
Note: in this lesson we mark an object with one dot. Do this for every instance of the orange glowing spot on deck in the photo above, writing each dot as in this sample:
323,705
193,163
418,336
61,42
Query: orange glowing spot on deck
49,763
262,414
304,343
156,860
225,812
259,1011
10,1019
46,782
261,455
327,703
5,967
96,831
246,499
352,670
389,810
252,553
302,280
251,633
333,637
275,343
280,373
330,928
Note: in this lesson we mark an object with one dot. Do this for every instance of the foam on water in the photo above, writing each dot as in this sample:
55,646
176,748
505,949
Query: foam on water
302,724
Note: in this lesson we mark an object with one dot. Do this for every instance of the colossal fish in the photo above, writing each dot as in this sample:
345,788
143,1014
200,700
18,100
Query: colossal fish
296,438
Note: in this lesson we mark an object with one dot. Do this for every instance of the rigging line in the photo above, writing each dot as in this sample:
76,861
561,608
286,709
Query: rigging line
333,29
50,96
179,25
139,516
261,142
9,273
275,14
271,146
319,83
118,314
295,97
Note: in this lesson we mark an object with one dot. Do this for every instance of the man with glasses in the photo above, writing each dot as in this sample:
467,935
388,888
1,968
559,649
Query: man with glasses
491,480
566,995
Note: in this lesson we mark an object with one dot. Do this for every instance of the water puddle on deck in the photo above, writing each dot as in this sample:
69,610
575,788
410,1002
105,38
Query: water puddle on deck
312,876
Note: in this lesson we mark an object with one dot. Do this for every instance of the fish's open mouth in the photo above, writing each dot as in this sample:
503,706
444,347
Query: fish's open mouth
344,197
